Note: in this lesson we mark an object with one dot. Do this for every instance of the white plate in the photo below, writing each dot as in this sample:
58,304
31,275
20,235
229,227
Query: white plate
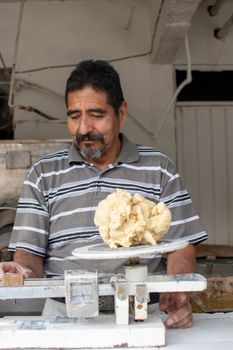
102,251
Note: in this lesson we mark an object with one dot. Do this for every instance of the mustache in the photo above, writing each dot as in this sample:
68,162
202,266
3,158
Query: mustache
89,137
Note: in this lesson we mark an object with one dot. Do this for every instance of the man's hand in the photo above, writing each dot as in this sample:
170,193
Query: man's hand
177,305
13,267
179,309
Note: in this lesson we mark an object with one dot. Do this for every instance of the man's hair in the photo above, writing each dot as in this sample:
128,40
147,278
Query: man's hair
99,75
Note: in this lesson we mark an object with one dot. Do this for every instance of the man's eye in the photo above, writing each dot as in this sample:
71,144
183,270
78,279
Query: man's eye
96,116
74,116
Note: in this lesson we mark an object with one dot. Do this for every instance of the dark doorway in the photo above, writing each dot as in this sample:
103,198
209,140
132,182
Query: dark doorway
6,114
206,86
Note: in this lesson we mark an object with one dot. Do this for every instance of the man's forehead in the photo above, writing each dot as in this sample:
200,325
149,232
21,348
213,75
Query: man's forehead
88,93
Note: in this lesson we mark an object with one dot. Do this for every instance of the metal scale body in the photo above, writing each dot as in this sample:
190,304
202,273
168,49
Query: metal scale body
83,326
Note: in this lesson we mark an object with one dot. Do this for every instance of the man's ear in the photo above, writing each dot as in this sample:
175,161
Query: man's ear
123,113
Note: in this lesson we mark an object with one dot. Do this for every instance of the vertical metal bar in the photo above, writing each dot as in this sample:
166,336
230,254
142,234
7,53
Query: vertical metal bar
2,60
10,100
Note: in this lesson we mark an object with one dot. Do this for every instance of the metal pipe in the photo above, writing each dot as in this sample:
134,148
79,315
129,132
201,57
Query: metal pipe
10,100
12,81
214,9
37,111
7,208
221,33
28,85
2,61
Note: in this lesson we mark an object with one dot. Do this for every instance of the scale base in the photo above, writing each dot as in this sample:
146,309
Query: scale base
101,332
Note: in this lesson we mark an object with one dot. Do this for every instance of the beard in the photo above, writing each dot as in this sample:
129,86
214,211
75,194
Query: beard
90,151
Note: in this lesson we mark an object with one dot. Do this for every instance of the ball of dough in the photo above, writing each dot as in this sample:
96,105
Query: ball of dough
124,219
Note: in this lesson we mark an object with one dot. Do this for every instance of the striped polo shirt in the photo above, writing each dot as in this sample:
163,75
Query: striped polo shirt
60,194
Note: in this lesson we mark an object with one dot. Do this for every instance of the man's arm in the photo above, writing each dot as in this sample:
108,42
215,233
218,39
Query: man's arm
28,264
182,260
177,305
30,261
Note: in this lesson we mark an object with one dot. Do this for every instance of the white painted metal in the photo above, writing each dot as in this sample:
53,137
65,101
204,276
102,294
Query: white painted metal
83,330
70,333
140,302
137,272
102,251
205,161
81,293
209,332
155,283
81,296
121,302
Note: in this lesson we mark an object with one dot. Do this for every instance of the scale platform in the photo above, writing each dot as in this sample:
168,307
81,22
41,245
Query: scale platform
102,251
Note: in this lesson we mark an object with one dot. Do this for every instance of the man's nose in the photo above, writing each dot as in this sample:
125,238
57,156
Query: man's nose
85,125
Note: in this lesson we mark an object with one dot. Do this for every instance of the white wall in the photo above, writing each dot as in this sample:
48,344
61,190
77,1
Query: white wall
207,52
204,130
65,32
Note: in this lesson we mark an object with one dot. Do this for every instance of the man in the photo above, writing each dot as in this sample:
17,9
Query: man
56,208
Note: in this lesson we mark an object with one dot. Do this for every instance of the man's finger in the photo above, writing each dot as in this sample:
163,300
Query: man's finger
181,299
13,267
171,322
181,318
175,322
164,301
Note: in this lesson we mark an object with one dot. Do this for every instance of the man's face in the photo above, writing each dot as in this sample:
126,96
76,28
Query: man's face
93,124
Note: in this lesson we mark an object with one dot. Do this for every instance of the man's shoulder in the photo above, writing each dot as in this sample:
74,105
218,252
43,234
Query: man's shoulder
153,152
51,162
54,156
147,149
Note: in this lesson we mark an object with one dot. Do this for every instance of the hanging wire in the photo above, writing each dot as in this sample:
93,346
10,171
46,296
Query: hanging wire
178,90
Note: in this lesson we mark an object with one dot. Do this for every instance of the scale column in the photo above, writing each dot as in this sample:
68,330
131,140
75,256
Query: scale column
138,274
121,299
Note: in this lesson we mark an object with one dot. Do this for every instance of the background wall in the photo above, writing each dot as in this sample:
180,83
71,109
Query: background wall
55,35
204,129
208,52
63,33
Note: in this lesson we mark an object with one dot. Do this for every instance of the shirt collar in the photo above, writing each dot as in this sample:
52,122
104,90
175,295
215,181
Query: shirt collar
129,151
128,154
74,155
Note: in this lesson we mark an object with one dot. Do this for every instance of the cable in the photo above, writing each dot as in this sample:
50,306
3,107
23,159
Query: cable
180,87
75,64
11,208
57,121
5,125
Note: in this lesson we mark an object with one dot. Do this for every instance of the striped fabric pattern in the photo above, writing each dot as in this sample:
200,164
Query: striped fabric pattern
60,194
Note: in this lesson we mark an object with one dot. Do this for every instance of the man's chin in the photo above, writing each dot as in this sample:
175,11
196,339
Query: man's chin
84,144
91,153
